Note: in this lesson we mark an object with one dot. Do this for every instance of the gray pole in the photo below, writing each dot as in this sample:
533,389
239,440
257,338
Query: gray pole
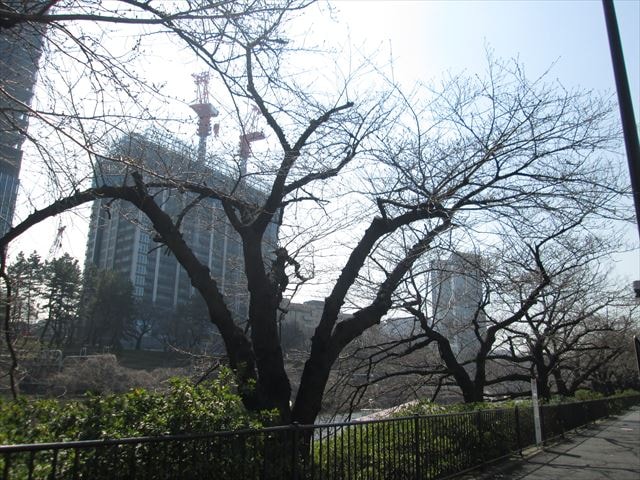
625,103
636,345
536,410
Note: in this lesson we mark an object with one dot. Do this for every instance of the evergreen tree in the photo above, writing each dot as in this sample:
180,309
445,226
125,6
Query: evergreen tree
27,274
110,308
62,284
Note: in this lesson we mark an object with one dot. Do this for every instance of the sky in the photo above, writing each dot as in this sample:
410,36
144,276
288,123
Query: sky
431,37
426,39
566,38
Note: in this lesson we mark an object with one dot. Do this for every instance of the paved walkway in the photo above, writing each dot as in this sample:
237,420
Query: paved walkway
610,450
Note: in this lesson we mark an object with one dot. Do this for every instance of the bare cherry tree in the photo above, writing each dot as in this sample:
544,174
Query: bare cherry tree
463,323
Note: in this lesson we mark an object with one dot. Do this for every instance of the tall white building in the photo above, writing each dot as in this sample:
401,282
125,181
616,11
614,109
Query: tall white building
457,296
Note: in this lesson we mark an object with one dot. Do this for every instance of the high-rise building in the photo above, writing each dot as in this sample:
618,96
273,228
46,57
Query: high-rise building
20,50
299,322
121,237
457,297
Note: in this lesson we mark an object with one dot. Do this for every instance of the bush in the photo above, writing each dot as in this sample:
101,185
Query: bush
183,408
425,407
584,395
98,374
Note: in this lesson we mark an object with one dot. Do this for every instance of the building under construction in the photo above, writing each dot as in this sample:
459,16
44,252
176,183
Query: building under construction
121,237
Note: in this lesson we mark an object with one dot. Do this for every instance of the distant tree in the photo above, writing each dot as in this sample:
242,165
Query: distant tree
610,376
147,319
597,353
61,293
519,309
563,330
189,326
19,293
27,274
110,311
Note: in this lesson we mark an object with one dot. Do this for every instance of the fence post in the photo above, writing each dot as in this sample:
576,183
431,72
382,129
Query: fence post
518,437
416,445
295,450
7,466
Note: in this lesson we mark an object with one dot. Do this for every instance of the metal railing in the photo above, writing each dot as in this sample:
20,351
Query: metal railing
418,447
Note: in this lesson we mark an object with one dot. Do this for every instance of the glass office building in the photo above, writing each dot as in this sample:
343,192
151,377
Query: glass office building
458,297
20,50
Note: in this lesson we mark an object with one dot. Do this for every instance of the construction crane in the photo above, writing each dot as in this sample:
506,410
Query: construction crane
205,112
57,241
250,134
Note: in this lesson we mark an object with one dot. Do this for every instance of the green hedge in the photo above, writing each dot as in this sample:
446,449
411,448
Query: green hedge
183,408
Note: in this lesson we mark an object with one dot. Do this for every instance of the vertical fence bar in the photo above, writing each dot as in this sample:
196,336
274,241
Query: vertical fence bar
416,445
54,464
321,453
392,448
294,451
351,450
310,454
76,463
518,433
7,466
30,467
377,449
336,450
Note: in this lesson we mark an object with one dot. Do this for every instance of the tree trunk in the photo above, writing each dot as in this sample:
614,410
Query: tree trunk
313,382
560,383
273,387
542,372
472,391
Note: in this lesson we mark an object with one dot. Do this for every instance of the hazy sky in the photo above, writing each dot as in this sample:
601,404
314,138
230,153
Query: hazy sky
427,38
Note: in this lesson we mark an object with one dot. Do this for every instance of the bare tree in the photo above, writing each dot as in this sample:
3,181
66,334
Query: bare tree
568,316
621,373
469,316
471,156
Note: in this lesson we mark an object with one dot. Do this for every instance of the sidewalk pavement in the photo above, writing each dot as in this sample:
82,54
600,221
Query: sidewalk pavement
609,450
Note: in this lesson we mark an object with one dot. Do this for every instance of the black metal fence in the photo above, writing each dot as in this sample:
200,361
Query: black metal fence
419,447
